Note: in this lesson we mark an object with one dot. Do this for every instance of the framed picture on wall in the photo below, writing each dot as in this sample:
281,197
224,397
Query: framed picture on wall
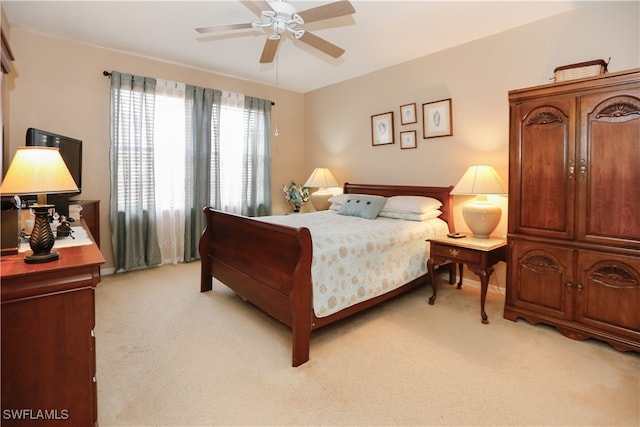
408,114
408,139
436,119
382,129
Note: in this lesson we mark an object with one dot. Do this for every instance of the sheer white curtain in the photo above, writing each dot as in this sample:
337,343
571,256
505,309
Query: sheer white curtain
171,169
231,150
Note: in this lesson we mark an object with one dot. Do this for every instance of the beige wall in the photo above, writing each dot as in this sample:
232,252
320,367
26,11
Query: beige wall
477,76
6,83
59,86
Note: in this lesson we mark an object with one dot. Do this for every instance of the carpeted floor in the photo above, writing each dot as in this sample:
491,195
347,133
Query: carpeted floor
172,356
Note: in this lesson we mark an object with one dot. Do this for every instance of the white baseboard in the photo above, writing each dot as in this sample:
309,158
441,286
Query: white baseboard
473,282
107,271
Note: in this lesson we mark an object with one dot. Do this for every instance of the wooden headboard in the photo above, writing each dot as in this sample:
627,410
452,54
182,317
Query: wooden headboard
441,193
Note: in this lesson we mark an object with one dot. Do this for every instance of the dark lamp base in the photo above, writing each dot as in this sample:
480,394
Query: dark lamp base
42,238
40,258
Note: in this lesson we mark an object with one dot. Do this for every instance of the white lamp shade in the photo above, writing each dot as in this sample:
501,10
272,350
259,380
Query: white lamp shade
482,179
37,170
321,178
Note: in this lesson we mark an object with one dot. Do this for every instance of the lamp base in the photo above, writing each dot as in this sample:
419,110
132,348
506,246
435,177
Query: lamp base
320,200
40,258
482,217
42,239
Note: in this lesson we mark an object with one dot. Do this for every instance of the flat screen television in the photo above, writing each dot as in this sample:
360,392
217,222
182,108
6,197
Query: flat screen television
71,152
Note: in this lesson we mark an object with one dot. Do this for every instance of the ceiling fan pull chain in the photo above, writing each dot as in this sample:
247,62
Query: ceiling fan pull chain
277,98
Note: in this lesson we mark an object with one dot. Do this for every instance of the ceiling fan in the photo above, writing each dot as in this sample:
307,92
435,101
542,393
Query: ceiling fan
280,17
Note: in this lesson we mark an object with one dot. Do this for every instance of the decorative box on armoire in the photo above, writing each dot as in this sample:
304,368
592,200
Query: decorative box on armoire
574,208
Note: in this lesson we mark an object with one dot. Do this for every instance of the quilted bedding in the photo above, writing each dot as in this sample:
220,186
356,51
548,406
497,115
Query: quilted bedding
356,259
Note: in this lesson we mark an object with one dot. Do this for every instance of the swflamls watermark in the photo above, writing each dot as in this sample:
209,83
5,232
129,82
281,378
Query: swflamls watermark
35,414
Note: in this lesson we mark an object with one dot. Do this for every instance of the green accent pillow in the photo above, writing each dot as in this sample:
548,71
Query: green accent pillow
362,206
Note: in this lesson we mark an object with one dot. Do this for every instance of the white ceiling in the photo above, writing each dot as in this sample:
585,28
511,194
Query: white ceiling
380,34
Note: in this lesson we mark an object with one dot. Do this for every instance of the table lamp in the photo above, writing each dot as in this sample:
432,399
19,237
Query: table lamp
321,178
40,171
480,214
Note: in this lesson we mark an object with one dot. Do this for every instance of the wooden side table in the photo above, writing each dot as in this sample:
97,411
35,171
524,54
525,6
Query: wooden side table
480,255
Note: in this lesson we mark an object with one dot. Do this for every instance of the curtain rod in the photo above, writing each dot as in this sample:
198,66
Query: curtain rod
108,74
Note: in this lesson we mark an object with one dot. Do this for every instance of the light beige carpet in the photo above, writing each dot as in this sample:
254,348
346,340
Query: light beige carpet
172,356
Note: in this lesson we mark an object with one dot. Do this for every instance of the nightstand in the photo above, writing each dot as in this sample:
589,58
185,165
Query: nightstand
480,255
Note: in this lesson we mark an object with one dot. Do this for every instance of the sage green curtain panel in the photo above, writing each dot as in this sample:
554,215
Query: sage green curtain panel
202,147
132,208
256,173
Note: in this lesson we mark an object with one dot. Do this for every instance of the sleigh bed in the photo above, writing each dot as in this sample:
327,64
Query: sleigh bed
269,264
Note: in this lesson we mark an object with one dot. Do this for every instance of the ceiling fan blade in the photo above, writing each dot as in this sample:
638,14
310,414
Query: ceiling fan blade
269,50
262,5
321,44
224,27
331,10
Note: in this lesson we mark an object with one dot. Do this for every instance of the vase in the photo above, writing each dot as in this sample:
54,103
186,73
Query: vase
295,207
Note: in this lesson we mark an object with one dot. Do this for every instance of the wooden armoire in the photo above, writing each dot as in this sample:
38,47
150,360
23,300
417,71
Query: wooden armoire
574,208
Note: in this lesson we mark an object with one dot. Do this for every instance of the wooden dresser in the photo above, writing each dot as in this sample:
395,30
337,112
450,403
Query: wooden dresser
48,344
574,208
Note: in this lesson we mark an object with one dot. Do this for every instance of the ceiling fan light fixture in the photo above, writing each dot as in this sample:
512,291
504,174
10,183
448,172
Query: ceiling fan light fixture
279,26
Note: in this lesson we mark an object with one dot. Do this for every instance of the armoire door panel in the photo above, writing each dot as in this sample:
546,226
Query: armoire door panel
609,186
609,294
543,277
547,168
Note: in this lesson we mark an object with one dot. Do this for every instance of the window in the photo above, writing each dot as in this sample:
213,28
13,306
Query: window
159,146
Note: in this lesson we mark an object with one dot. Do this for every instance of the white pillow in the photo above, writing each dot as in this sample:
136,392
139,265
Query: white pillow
339,199
410,216
411,204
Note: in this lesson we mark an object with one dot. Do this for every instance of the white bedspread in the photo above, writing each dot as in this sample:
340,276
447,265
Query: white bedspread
356,259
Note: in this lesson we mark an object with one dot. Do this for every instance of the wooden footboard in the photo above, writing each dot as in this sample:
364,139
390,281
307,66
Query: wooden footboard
269,265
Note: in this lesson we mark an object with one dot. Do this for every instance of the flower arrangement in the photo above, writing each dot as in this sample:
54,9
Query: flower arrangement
296,195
